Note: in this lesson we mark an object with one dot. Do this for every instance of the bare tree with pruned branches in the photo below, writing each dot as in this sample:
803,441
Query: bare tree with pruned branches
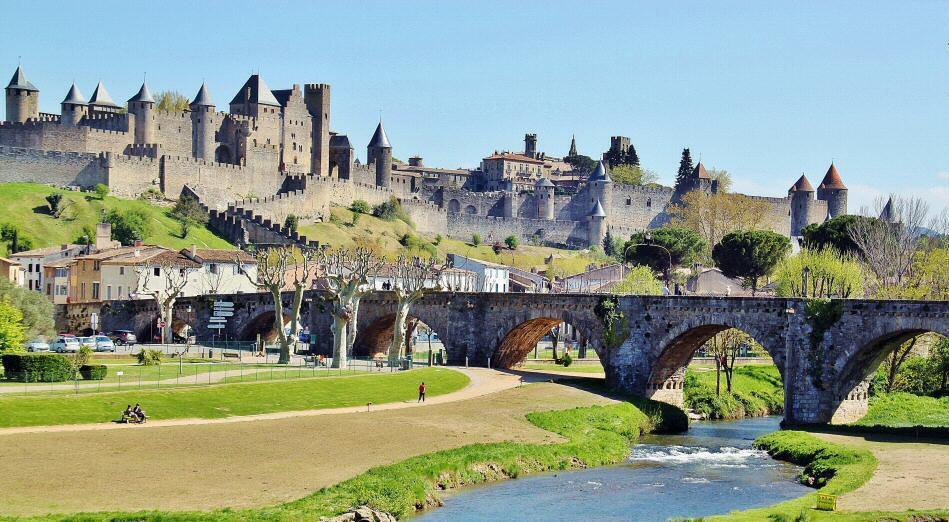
888,245
173,274
347,280
412,276
278,268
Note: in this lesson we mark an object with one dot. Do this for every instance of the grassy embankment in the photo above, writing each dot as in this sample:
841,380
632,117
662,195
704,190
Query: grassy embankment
756,391
834,468
25,205
385,236
226,400
905,410
596,436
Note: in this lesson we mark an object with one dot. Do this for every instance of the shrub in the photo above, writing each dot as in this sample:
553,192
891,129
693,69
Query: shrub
130,226
93,372
476,239
356,217
512,242
567,360
361,206
149,357
101,190
392,210
37,367
291,223
54,201
438,240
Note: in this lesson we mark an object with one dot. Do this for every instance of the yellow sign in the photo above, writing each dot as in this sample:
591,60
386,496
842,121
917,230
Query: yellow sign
826,502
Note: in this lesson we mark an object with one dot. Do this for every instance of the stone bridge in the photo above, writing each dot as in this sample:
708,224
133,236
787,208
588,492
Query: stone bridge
826,374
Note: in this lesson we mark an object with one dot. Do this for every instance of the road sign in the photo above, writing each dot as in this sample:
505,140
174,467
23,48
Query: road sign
120,373
94,319
223,313
217,326
223,304
218,320
162,324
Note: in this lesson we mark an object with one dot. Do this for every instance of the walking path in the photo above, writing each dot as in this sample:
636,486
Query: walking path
483,382
910,474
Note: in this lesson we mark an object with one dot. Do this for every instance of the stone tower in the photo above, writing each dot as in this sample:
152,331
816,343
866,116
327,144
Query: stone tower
255,99
316,96
802,200
834,192
379,151
596,230
142,106
544,195
23,98
600,187
530,145
73,107
203,116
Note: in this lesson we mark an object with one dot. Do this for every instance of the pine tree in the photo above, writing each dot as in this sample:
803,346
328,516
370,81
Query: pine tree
631,157
608,245
685,169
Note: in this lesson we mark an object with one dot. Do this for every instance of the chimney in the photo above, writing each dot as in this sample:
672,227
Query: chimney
103,238
138,242
63,247
194,251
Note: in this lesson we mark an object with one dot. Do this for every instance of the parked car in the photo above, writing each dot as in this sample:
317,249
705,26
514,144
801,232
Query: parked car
87,341
65,343
104,344
37,345
123,337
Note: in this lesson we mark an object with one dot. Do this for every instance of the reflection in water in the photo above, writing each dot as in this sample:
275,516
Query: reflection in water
710,469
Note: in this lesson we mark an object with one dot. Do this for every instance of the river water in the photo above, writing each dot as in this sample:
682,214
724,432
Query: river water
710,469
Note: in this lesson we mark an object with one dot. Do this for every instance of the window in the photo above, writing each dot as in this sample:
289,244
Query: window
212,268
121,270
95,290
629,201
120,293
95,266
649,203
156,271
31,284
108,292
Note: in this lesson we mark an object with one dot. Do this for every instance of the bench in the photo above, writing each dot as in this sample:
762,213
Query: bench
129,419
231,355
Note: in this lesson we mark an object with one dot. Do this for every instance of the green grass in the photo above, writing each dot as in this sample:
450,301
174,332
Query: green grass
212,402
596,436
757,390
24,204
384,236
905,409
573,368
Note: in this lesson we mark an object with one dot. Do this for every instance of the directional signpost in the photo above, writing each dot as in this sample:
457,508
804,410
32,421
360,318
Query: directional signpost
222,310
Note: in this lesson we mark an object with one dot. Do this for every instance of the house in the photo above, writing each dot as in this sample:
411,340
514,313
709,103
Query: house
452,279
12,271
489,277
524,281
35,260
711,281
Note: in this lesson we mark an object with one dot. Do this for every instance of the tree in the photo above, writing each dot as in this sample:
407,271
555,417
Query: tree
347,280
189,212
54,201
834,233
819,274
412,278
750,255
128,227
664,249
685,170
581,163
277,268
164,277
512,242
714,215
640,280
609,244
172,101
12,330
723,178
632,175
292,222
361,206
18,241
87,236
476,239
101,190
725,346
615,158
37,310
888,247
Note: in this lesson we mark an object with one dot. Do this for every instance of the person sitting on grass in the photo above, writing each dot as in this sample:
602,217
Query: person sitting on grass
139,413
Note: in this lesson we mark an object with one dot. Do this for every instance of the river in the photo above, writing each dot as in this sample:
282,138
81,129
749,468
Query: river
710,469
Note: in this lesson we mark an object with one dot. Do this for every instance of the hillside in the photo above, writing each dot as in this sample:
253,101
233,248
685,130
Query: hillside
25,205
385,237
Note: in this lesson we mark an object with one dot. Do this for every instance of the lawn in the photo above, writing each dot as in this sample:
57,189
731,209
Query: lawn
573,368
905,409
757,390
25,205
227,400
385,235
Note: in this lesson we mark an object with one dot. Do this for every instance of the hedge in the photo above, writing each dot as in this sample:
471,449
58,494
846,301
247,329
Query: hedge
93,372
37,367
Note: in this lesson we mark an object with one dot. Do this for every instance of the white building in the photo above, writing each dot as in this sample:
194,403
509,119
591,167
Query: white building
451,280
490,277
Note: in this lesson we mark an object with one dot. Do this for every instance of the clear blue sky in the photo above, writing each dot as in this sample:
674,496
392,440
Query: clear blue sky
765,90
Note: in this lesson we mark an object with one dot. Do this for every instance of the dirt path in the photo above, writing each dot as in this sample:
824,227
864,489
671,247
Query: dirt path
910,474
483,382
205,465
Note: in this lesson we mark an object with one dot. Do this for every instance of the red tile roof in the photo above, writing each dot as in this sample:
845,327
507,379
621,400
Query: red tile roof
802,185
832,179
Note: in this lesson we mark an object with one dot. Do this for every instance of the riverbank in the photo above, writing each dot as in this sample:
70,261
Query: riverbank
757,391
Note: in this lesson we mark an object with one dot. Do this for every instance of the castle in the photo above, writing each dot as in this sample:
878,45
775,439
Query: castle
273,153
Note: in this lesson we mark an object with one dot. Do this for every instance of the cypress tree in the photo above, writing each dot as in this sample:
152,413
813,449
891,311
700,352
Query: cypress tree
631,157
685,169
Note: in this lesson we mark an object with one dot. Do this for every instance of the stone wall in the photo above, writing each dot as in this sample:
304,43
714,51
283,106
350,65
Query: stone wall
81,169
173,130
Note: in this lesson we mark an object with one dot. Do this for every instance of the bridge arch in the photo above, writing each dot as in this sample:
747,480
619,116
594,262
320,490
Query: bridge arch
521,333
674,351
374,338
261,324
849,391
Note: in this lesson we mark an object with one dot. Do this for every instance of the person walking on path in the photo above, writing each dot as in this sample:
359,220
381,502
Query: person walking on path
421,392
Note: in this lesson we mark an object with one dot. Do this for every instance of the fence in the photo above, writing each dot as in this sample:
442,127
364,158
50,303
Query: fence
182,372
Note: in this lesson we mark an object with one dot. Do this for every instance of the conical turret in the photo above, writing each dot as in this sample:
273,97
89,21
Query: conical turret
379,152
22,97
834,192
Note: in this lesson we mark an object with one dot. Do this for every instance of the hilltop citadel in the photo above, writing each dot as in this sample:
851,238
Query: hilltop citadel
274,153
